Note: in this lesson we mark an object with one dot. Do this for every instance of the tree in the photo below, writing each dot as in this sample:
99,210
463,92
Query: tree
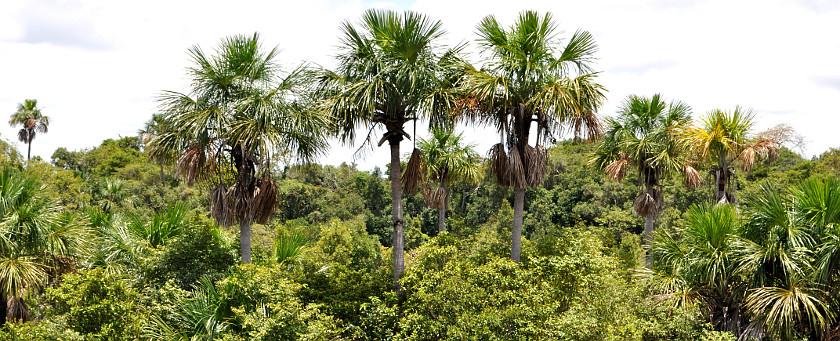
235,117
530,76
36,241
642,136
29,116
153,127
723,138
391,70
443,161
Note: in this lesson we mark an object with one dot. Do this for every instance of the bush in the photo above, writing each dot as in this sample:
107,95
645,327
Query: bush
96,304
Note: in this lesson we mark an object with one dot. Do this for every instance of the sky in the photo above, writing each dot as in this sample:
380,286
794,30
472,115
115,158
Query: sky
96,66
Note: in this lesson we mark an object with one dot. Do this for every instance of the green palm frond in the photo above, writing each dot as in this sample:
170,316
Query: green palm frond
781,309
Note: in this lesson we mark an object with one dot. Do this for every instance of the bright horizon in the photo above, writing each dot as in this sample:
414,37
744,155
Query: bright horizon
95,66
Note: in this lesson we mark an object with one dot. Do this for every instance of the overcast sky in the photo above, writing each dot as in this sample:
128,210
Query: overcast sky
96,66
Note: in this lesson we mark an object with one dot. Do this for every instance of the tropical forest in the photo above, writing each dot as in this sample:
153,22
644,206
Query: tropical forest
220,219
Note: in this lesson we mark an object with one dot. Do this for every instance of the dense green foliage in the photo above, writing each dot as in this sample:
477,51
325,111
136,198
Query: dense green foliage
117,243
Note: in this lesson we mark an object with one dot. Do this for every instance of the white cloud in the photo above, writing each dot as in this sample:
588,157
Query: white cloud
96,65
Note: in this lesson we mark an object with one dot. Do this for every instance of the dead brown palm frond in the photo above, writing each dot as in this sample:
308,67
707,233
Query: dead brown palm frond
692,178
17,310
265,200
220,209
499,164
413,175
30,123
436,197
616,170
241,201
193,164
24,136
516,170
535,164
648,204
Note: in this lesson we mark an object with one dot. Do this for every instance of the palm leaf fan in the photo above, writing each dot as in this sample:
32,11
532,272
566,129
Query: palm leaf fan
265,200
499,164
413,175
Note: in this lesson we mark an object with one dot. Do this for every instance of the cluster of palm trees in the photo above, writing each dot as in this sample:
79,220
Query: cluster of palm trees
392,70
659,139
39,241
768,270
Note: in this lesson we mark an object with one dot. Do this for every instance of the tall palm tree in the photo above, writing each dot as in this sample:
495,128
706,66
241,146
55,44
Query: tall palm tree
443,160
723,138
531,79
239,113
29,116
153,127
391,70
36,241
642,136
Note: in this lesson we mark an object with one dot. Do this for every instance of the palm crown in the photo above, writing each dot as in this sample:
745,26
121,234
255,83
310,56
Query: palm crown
642,136
530,76
721,139
236,116
29,116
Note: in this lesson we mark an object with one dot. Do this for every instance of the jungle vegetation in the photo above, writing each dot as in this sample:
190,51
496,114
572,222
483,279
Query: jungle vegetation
644,224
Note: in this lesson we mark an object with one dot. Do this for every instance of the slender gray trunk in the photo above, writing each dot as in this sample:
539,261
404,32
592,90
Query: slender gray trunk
442,218
29,148
162,175
245,240
397,212
648,239
442,208
518,208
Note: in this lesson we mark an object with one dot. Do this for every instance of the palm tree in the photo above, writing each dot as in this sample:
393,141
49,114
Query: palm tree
700,263
155,126
642,136
36,241
391,70
769,273
29,116
531,78
442,161
723,138
235,117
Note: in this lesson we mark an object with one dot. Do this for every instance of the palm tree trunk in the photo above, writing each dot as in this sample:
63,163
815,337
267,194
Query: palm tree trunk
162,176
2,307
442,208
518,208
442,218
648,239
245,240
29,148
397,212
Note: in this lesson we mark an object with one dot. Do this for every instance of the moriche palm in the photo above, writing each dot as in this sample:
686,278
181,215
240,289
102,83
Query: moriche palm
531,79
391,70
443,160
29,116
238,113
721,139
642,137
